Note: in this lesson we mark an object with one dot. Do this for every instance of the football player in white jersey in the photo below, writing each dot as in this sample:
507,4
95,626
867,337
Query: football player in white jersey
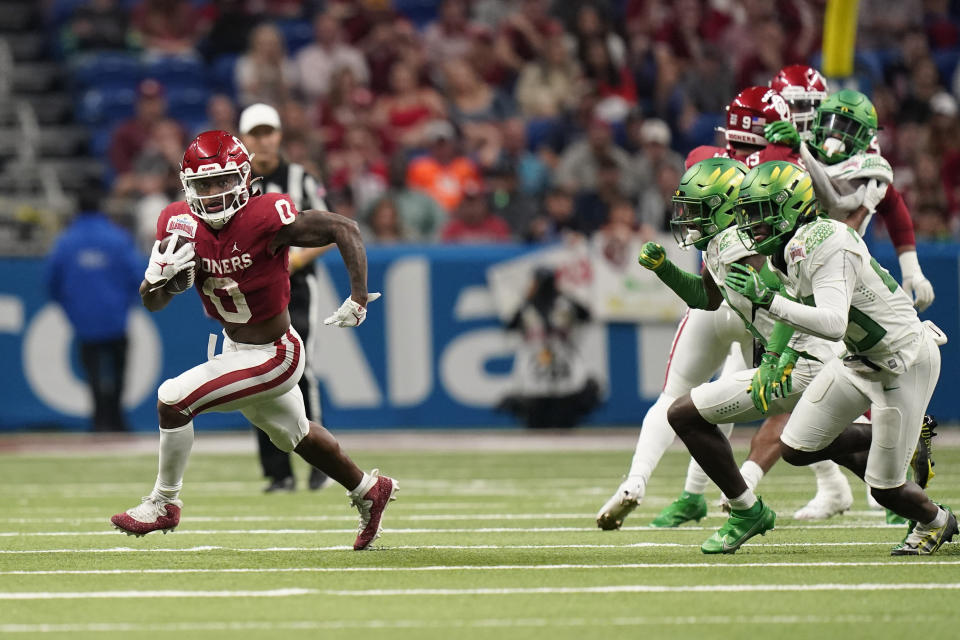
703,219
837,291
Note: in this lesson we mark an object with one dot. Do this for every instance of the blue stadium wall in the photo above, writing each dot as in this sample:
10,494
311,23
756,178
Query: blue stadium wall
431,353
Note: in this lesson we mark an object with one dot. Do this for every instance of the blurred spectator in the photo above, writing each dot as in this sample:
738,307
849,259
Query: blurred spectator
533,175
524,32
421,217
449,35
654,152
476,108
614,241
384,225
380,51
942,31
130,136
708,84
264,73
578,167
317,62
231,28
550,84
345,105
593,205
359,165
487,61
930,224
507,201
924,85
557,217
781,33
442,172
472,99
591,23
221,115
473,222
551,386
94,273
168,27
403,114
655,201
882,22
97,25
155,179
613,83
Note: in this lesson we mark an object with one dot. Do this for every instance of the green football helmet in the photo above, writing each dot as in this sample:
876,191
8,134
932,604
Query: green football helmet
775,197
703,202
844,125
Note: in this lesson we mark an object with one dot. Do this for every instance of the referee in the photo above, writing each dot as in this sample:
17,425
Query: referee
261,133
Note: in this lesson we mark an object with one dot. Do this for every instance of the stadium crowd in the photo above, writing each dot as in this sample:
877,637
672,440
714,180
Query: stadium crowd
498,120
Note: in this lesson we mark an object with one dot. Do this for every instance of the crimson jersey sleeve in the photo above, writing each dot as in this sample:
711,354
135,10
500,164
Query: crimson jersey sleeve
176,218
896,217
705,152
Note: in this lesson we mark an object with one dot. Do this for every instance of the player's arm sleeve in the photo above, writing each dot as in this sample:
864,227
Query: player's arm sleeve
833,282
688,286
897,219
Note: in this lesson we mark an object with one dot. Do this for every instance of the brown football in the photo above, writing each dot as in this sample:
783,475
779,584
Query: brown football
183,280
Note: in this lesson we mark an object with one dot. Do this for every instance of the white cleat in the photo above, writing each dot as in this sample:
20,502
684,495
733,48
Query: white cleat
827,503
619,506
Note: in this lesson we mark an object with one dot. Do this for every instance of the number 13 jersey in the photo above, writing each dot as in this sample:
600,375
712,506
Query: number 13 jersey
238,279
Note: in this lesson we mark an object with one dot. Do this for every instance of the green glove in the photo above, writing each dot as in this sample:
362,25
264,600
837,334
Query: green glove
746,281
783,379
652,256
762,386
782,132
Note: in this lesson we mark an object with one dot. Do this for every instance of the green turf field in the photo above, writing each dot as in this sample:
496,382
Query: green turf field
479,545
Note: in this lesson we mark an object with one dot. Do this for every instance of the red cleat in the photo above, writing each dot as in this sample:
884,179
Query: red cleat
153,514
371,506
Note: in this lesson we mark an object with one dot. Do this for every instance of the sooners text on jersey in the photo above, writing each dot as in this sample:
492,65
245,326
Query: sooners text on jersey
238,279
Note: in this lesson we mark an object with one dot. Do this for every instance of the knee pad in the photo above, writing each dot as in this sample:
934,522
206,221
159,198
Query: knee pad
169,392
286,440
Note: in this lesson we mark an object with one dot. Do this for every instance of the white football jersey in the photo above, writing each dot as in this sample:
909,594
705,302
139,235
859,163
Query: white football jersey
858,170
727,248
881,319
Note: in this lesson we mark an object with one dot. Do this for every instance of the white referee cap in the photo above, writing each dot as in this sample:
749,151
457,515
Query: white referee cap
258,115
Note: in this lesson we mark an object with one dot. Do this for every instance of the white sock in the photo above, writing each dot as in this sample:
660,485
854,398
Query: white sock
697,480
744,501
175,445
752,474
937,522
656,435
828,474
366,483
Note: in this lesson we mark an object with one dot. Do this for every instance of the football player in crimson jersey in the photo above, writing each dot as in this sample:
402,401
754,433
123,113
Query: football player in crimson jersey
748,114
804,88
238,242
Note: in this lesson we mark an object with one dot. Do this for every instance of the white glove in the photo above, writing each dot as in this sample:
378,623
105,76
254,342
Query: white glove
164,265
350,313
873,194
836,206
914,282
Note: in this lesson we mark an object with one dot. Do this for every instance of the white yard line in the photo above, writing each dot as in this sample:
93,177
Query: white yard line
409,530
84,595
647,588
299,625
495,567
494,591
432,547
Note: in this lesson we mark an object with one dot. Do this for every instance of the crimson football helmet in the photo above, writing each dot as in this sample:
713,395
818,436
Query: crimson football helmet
215,172
750,112
804,88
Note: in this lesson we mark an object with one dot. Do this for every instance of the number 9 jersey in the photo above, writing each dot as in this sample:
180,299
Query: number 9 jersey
239,280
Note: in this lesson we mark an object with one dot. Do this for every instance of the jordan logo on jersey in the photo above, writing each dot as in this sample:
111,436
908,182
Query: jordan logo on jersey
235,249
